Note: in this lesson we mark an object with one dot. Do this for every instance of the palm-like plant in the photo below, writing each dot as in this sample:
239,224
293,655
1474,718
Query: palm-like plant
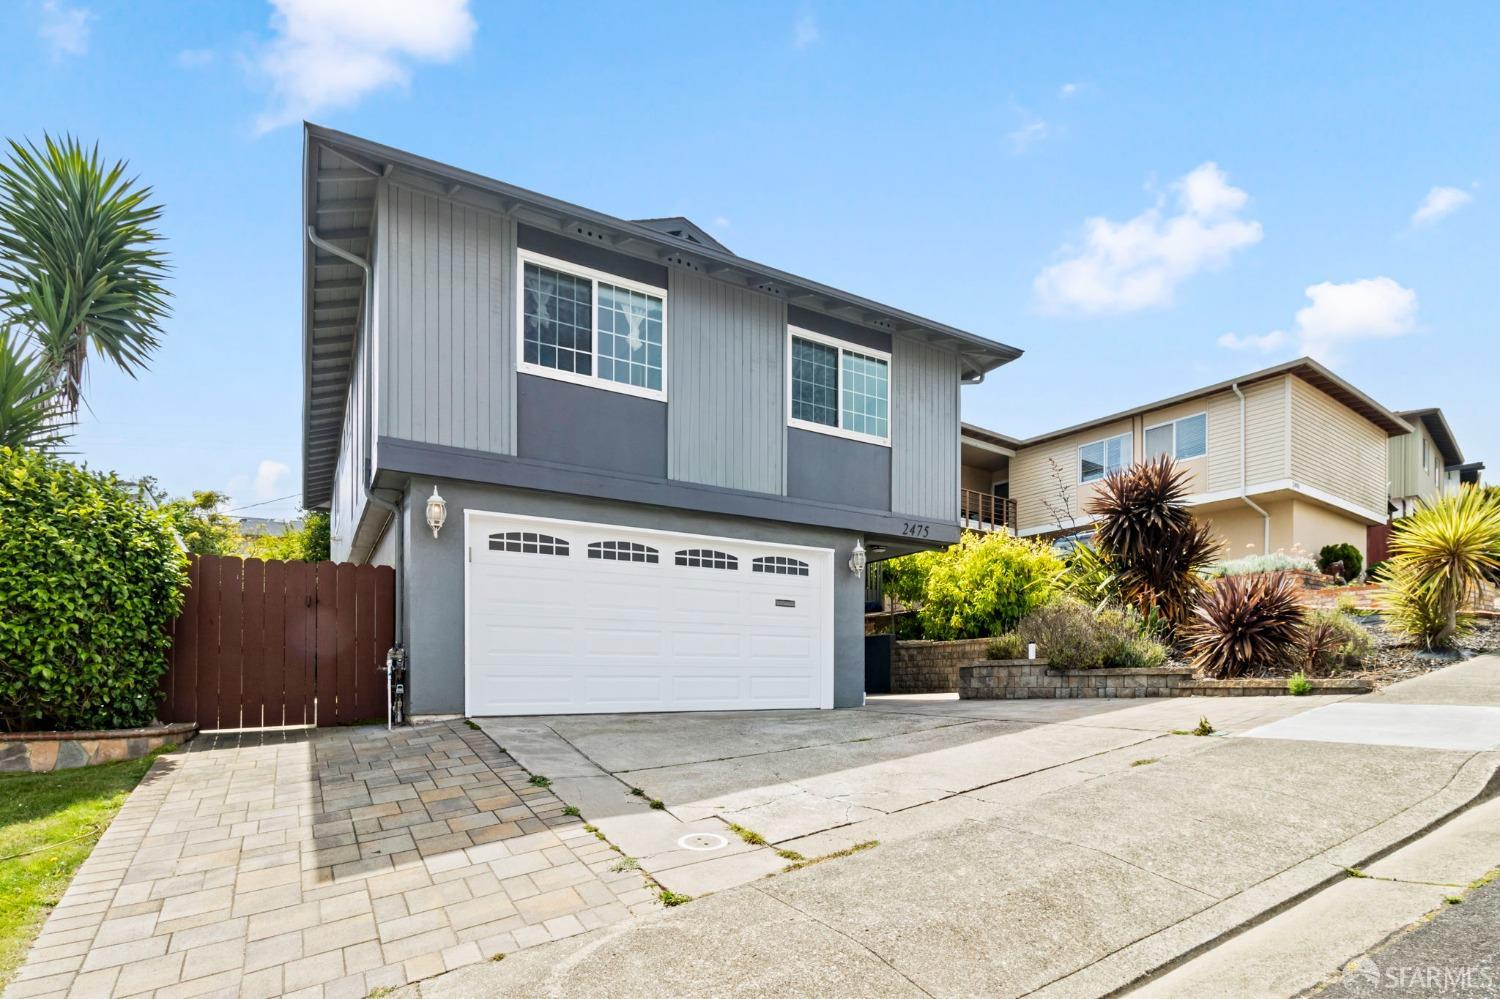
1245,622
1439,557
79,261
28,404
1156,551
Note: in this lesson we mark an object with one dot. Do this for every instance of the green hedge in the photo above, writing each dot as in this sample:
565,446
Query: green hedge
980,587
90,580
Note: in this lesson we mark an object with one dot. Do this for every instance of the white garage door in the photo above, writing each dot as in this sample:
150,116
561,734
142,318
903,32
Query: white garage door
566,617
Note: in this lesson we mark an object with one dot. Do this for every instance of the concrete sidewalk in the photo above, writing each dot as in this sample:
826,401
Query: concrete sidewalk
1070,887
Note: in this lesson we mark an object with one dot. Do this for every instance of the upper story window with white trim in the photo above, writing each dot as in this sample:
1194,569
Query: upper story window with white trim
1098,459
592,328
838,388
1180,439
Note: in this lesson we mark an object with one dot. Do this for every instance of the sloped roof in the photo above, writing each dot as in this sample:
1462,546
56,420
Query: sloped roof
1442,434
684,229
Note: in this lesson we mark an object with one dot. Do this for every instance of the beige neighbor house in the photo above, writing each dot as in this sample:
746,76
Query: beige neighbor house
1427,462
1286,459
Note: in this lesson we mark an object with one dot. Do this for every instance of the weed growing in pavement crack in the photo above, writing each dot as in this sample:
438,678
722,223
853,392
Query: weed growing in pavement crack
790,855
472,724
497,957
657,803
1204,727
670,898
537,780
1146,762
846,852
1355,872
638,792
572,810
748,835
626,864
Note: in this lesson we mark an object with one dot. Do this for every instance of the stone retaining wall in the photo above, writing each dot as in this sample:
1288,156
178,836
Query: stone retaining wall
920,667
43,752
1023,679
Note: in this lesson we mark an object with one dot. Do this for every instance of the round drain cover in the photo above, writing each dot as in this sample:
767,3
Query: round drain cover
703,841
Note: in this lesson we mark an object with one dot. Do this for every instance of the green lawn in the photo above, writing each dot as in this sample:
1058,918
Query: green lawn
48,825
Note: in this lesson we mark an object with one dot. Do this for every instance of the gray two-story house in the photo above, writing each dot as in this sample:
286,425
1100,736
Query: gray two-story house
660,464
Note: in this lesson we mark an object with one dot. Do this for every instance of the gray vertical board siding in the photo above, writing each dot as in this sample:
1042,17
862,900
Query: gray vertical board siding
726,385
447,307
924,430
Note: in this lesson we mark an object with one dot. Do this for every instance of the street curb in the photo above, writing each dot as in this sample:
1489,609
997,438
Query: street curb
1476,781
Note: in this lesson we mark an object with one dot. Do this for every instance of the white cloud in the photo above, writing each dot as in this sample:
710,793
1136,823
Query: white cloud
1069,90
1265,342
195,58
1338,315
331,53
1030,132
268,476
1138,263
805,31
1439,204
721,222
65,29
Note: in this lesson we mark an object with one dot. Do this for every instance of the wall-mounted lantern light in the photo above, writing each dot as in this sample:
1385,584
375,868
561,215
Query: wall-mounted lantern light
437,512
857,559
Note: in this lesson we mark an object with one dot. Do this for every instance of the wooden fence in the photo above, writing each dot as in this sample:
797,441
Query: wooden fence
1377,543
261,644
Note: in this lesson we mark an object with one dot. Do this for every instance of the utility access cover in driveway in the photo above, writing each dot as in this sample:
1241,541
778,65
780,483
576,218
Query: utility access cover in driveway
1425,726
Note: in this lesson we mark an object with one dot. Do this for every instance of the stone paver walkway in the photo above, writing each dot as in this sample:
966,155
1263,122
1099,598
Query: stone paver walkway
328,863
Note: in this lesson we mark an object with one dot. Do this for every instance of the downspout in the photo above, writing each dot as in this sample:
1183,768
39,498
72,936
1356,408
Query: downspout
367,475
1265,518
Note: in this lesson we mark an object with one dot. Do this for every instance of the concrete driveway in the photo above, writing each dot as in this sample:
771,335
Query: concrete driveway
815,782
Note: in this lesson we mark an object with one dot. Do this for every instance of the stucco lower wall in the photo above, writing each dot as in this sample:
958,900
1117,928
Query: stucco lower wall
434,577
1315,526
1298,527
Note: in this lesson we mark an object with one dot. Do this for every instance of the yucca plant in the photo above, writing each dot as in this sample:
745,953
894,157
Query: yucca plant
1156,551
28,405
79,261
1439,557
1245,622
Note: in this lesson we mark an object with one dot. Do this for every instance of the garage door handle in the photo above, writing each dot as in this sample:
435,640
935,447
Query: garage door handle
780,602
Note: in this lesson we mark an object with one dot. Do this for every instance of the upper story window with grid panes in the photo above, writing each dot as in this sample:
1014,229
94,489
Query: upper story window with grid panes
1097,459
592,328
838,388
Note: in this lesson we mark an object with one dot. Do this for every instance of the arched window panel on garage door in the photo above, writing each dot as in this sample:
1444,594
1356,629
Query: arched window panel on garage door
779,565
623,551
707,558
528,542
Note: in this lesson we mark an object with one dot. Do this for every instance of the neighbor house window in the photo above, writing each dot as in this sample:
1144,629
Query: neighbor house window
589,327
1100,458
839,388
1180,439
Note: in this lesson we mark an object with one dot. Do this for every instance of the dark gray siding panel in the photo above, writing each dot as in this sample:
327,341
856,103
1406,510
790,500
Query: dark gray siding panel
840,329
726,384
590,428
588,255
830,469
446,314
924,431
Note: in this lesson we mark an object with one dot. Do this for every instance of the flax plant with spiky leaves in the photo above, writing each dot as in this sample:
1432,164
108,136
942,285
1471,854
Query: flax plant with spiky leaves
1156,551
1439,557
80,269
1244,623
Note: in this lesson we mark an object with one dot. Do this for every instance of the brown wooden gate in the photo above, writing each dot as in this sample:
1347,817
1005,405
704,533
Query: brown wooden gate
261,644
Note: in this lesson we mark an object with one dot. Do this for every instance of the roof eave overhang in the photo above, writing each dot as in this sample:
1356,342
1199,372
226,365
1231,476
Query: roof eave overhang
1442,434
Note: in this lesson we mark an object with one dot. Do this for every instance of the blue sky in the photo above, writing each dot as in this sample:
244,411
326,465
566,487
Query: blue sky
1119,190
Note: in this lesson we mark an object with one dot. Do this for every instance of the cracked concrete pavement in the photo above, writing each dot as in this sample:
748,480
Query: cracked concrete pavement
1052,848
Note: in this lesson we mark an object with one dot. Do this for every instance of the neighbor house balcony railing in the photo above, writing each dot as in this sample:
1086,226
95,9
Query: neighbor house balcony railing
981,511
